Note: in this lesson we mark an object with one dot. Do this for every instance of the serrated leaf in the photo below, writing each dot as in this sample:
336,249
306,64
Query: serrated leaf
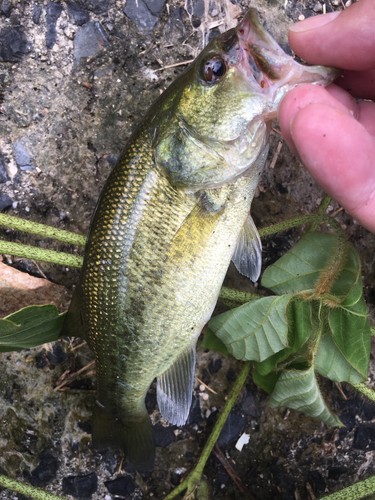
256,330
331,363
352,335
266,382
30,327
299,390
299,330
210,341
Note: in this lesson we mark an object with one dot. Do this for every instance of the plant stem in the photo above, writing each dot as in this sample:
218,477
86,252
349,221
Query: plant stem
42,230
36,253
355,492
365,390
193,479
237,296
321,210
28,490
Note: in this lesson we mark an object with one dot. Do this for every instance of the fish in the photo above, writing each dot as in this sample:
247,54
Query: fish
172,215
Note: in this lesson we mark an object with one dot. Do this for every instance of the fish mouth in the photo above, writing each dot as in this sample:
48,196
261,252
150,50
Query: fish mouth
268,68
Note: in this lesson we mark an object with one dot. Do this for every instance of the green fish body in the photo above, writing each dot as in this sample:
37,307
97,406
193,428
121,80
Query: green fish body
173,213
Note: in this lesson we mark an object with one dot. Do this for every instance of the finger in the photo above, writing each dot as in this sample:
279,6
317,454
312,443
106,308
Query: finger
339,153
345,40
304,95
360,84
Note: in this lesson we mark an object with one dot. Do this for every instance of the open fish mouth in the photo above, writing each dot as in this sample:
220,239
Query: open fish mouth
268,69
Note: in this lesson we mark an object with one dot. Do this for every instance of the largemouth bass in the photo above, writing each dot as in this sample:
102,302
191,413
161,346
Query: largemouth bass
173,213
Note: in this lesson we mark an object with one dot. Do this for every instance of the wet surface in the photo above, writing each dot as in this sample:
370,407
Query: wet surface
74,80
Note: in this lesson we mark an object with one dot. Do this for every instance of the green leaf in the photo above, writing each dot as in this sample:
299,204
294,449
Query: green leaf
351,334
299,390
210,341
299,330
30,327
256,330
331,363
299,269
266,382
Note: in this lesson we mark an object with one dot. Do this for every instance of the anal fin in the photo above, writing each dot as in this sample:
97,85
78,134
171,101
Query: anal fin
175,388
247,256
73,322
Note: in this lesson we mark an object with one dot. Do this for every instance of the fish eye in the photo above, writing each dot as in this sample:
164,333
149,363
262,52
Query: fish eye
214,69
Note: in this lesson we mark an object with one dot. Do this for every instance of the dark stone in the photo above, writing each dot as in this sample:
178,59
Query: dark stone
348,420
317,481
80,486
155,6
5,201
37,12
40,360
251,405
336,472
364,438
3,170
58,355
368,410
85,426
77,15
53,13
233,427
231,375
138,12
6,8
150,402
122,486
23,159
195,414
13,44
111,159
45,472
164,436
176,477
214,365
97,6
195,7
89,40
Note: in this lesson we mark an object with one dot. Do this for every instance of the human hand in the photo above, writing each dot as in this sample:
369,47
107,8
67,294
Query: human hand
333,134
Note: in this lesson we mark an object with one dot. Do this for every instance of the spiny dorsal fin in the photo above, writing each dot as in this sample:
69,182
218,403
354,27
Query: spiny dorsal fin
175,388
247,256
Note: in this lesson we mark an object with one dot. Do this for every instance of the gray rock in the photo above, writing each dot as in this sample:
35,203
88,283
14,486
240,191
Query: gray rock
97,6
5,201
3,170
23,159
89,40
138,12
196,7
155,6
37,12
77,14
13,44
6,8
53,13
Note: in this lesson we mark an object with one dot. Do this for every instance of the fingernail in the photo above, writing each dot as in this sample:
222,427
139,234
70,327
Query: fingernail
314,22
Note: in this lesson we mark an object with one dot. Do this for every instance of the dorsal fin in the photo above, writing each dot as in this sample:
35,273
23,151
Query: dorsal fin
175,388
247,256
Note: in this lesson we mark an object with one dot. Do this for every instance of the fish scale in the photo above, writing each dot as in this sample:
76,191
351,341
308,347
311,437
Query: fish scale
172,215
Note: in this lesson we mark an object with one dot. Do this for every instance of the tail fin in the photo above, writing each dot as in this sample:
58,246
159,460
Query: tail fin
134,437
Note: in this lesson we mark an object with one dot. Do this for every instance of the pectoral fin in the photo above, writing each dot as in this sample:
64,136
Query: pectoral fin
175,388
247,256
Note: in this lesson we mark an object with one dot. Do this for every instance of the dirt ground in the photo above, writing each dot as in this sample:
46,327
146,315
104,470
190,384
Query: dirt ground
74,80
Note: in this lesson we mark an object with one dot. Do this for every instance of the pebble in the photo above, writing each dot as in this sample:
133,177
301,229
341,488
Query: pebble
232,428
53,13
45,472
80,486
89,40
164,436
5,201
22,157
316,479
122,486
138,12
6,8
77,14
364,438
13,44
37,12
4,177
96,6
250,405
214,365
